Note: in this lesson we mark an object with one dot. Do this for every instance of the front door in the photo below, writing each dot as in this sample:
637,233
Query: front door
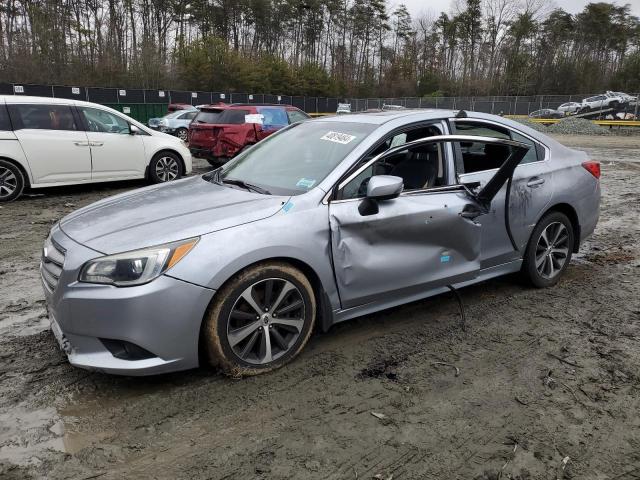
54,143
115,153
415,242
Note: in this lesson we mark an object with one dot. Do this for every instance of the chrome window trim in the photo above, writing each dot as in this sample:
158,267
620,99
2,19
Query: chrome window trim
422,141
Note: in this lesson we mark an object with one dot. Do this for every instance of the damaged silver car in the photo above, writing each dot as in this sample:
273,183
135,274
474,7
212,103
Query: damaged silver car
322,222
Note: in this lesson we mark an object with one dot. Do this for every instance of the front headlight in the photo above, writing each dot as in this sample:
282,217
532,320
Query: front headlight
136,267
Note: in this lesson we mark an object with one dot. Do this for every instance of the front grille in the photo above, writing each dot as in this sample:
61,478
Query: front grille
52,263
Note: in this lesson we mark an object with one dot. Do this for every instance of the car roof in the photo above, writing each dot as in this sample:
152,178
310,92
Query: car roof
379,118
47,100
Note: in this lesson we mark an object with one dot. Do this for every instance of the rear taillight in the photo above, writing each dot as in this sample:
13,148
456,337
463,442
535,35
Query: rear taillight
592,167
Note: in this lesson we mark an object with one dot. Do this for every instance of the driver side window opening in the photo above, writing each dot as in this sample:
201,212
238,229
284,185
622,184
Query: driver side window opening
100,121
420,167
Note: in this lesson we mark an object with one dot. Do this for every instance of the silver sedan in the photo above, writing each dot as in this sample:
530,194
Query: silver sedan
322,222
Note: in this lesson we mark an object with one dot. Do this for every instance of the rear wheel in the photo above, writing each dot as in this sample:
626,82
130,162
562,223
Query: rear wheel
11,181
260,320
164,167
215,162
549,250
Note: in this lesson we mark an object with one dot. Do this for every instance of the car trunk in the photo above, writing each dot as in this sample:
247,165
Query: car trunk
221,131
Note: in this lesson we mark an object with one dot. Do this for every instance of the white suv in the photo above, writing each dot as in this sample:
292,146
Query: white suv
600,102
49,142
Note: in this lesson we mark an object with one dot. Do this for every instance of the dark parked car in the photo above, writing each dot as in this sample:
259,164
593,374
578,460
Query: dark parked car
219,132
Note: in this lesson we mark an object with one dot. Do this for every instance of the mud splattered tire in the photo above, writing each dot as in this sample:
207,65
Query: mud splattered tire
549,250
260,320
12,181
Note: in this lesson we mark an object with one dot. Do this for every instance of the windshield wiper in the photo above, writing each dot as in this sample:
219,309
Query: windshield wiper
246,185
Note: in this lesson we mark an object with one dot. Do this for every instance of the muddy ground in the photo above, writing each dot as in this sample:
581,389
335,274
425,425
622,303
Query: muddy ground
548,384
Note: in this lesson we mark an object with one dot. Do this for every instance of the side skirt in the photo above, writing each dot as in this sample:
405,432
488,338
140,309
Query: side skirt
485,274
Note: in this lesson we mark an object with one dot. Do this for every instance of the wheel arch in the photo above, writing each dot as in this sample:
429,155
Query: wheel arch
167,150
572,215
324,311
20,167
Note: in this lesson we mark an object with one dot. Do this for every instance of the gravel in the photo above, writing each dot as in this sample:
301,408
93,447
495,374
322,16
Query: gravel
572,126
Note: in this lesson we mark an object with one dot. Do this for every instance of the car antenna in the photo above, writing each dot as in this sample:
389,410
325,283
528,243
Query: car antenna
461,114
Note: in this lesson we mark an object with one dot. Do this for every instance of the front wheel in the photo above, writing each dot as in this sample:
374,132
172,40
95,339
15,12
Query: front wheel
260,320
549,250
11,181
182,134
164,167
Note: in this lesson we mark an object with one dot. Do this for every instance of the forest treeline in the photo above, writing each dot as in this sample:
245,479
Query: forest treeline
358,48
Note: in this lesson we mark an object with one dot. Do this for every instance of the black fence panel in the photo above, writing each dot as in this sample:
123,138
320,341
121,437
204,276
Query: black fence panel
201,98
285,99
428,102
311,104
33,90
239,98
298,102
332,105
130,96
323,105
361,104
75,93
270,98
217,97
102,95
373,103
6,89
177,96
156,96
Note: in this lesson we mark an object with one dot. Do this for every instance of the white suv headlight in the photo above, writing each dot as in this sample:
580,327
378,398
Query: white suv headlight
136,267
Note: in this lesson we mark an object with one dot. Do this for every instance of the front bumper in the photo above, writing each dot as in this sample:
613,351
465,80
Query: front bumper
162,317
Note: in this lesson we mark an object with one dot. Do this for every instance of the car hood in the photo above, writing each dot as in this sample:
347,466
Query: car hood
165,213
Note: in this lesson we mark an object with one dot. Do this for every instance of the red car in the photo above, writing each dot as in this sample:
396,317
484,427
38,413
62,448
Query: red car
172,107
220,132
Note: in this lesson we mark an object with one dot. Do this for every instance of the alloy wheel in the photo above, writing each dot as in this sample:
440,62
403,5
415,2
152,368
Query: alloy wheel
183,135
266,321
8,182
552,250
167,168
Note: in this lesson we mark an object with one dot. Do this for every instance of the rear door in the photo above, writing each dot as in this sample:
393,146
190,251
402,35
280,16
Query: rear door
115,152
53,140
531,188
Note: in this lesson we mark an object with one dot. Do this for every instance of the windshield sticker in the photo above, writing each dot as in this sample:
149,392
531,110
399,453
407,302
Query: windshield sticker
445,258
305,183
338,137
254,118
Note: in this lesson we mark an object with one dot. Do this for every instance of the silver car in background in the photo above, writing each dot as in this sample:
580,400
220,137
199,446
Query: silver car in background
321,222
175,123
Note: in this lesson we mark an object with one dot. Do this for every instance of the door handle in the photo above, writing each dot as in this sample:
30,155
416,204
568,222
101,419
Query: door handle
535,182
81,144
96,144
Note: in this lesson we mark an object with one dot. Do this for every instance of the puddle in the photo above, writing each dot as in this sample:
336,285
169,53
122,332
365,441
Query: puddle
28,436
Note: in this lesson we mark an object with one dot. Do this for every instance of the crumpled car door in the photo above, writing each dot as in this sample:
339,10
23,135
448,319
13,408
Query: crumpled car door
416,242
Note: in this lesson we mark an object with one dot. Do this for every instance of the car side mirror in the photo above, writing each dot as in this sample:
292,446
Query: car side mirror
379,188
133,130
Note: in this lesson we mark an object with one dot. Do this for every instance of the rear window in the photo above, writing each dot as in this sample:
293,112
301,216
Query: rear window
224,116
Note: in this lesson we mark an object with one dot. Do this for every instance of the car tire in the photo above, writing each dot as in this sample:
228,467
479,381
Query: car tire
244,337
549,250
12,181
183,134
165,167
614,104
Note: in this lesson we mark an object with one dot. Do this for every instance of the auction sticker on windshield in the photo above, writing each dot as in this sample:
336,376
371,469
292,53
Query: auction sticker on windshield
338,137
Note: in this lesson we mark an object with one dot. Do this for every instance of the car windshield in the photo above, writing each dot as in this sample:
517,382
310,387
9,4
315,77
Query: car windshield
297,158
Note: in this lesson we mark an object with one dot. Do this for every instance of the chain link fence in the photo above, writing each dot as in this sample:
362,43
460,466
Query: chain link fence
142,104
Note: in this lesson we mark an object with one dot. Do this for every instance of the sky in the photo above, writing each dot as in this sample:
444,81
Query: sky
416,7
